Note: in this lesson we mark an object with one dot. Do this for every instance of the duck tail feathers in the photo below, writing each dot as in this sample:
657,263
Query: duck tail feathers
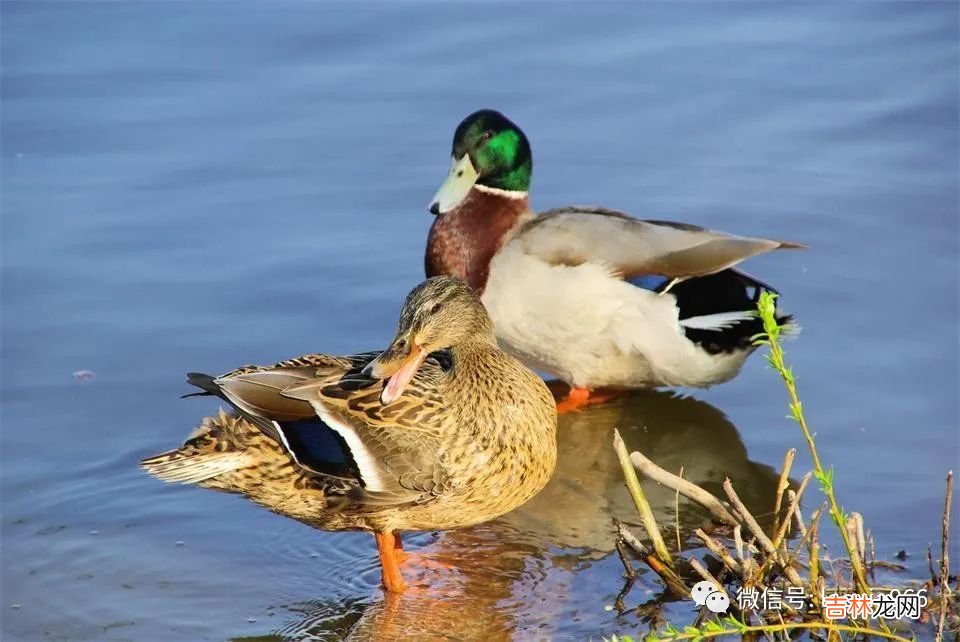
180,467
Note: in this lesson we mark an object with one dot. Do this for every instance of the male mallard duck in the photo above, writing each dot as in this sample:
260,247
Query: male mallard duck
441,430
591,295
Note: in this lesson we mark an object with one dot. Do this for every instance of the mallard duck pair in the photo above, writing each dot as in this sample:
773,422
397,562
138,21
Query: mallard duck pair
441,430
591,295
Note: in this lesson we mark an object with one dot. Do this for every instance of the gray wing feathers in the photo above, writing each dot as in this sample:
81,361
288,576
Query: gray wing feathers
259,393
572,236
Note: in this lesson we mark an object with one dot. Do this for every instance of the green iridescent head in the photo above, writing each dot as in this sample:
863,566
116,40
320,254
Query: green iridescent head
490,151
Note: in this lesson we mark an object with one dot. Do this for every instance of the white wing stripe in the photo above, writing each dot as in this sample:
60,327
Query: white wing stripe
719,321
366,462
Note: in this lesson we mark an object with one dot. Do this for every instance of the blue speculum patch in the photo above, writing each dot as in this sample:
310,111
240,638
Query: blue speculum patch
651,282
315,444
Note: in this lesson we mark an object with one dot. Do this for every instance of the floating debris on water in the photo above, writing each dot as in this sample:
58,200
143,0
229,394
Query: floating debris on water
179,542
49,530
83,375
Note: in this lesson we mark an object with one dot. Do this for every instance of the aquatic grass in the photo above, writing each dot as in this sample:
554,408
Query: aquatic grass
732,626
772,330
760,560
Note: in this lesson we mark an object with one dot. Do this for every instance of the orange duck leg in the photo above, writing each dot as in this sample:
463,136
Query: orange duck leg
578,398
390,548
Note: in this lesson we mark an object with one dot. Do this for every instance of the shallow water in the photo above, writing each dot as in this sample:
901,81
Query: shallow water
200,186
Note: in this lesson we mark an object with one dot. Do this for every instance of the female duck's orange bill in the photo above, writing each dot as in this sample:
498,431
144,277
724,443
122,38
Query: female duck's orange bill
399,380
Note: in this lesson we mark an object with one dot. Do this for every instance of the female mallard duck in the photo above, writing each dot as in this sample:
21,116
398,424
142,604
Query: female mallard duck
441,430
591,295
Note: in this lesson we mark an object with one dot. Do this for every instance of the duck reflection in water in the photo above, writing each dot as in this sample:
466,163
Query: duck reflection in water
548,569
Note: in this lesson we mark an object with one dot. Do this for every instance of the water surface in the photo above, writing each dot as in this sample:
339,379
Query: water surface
196,186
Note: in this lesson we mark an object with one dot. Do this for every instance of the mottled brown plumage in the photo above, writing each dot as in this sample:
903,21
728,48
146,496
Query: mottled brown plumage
471,436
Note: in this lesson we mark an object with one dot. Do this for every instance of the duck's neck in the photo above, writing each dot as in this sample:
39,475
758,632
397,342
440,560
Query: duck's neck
464,240
471,364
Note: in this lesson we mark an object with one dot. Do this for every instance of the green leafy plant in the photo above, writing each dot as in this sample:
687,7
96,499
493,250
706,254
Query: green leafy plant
771,337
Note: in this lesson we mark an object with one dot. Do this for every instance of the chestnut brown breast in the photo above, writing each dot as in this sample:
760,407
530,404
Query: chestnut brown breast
463,241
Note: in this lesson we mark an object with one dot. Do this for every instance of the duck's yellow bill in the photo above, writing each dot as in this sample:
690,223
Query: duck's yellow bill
398,380
461,178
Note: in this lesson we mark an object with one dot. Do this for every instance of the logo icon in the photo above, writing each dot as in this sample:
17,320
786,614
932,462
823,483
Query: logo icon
708,594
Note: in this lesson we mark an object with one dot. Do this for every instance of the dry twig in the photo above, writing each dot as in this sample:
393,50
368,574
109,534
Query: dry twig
944,559
647,519
684,487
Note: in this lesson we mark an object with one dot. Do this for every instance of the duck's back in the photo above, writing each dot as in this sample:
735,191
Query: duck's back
568,294
445,454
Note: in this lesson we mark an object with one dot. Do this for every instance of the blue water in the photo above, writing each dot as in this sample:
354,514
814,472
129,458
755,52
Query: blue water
194,186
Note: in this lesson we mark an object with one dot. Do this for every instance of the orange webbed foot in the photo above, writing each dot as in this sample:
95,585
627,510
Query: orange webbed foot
578,398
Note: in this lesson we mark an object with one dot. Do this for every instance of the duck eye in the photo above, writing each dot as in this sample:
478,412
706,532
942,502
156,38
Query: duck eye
436,308
485,136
